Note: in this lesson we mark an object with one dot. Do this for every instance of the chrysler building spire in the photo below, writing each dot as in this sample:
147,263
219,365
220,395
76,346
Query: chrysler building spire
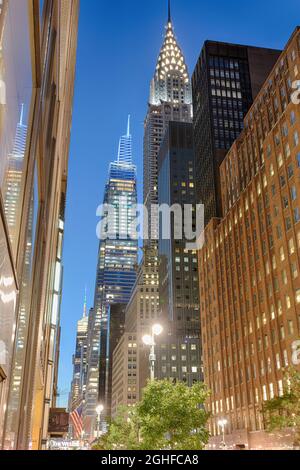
171,82
169,12
170,100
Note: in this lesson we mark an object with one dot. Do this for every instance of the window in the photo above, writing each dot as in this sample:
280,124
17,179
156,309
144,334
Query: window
294,269
293,118
15,97
293,193
291,327
296,138
286,358
280,388
282,181
290,171
284,277
265,396
2,379
278,363
288,224
285,130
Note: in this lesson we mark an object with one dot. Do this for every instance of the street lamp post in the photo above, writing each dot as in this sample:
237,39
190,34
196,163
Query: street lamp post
99,410
222,423
149,340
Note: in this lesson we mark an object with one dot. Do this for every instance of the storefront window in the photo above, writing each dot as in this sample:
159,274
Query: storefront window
16,86
23,324
15,98
8,298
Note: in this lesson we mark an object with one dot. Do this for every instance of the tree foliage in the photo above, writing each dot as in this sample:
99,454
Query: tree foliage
170,416
284,411
173,416
122,434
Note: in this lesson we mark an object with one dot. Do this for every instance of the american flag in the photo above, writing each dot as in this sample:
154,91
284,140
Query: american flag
77,421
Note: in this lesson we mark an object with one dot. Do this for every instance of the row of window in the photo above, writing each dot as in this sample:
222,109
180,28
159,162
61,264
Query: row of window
184,369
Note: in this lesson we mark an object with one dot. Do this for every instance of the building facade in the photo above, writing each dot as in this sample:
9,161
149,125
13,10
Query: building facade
36,93
80,363
130,370
250,264
116,331
116,275
178,265
226,79
125,391
170,100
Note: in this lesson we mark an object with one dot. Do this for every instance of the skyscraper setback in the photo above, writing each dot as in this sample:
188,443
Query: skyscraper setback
116,275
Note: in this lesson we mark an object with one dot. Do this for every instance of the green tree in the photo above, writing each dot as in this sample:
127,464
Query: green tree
122,432
284,412
172,416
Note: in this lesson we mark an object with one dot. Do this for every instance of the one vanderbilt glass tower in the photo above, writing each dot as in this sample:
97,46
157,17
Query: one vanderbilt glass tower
116,273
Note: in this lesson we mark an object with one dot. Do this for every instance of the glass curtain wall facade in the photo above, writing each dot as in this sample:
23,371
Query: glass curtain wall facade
116,274
35,117
16,95
225,81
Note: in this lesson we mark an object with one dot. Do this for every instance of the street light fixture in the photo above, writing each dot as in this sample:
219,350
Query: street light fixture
99,410
222,424
149,340
157,329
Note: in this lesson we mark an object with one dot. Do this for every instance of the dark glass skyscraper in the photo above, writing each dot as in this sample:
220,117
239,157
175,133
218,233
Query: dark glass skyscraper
226,79
178,349
116,274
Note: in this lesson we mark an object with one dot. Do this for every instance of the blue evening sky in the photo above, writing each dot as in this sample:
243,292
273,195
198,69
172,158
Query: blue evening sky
119,42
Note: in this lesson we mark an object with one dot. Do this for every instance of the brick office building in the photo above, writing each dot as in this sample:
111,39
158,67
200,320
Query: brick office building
250,264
